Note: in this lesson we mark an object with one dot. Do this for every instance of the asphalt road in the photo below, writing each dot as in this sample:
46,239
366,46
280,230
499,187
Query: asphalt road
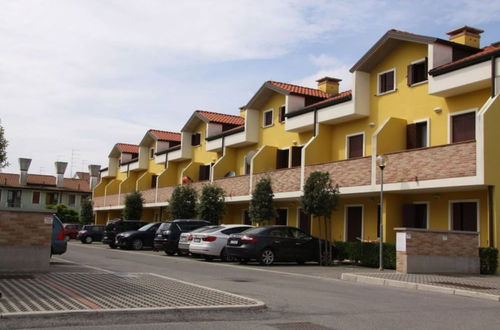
294,301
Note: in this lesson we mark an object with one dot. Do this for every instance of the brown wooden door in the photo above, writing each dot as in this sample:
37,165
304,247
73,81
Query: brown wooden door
304,222
354,223
463,127
355,146
282,158
296,156
204,172
246,218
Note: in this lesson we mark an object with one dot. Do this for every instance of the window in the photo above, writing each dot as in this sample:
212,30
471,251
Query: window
268,118
415,215
355,146
204,172
463,127
282,114
51,199
151,153
416,135
464,216
196,139
386,81
296,156
417,72
36,197
282,218
282,158
13,198
298,234
153,180
71,200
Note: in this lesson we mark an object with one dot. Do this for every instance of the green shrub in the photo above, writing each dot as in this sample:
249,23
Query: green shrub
489,260
367,254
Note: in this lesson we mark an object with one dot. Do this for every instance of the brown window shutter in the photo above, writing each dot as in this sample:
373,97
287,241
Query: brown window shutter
355,146
411,136
469,214
464,127
409,216
282,158
410,74
282,114
457,216
204,172
390,81
296,156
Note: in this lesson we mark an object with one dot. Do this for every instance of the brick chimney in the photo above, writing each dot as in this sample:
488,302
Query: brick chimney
466,35
60,169
24,165
329,85
94,171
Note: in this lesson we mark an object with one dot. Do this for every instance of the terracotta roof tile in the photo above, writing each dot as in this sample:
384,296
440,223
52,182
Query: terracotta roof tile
221,118
295,89
485,51
165,135
45,182
335,97
128,148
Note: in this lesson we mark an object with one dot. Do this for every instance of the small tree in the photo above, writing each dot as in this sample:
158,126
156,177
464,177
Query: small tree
212,206
133,206
261,205
182,204
319,200
86,212
64,213
3,149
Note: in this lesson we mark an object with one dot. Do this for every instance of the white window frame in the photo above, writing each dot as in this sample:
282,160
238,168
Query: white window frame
279,109
478,207
347,143
427,213
378,82
287,213
428,135
457,113
422,60
264,118
362,220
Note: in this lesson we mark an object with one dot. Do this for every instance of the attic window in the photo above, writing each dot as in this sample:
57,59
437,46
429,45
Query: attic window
417,72
268,118
196,139
386,81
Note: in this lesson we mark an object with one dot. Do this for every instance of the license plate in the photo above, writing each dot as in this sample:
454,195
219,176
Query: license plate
197,240
233,241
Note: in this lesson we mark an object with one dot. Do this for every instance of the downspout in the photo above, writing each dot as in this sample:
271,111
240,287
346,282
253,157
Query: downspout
315,122
491,217
493,74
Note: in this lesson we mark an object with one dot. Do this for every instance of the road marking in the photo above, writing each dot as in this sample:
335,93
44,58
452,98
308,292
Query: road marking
219,264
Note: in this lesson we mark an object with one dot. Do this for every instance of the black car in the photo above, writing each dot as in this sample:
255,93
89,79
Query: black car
137,239
114,227
90,233
167,235
268,244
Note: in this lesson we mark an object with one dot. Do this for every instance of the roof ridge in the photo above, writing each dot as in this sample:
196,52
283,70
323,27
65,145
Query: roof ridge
159,130
218,113
280,82
128,144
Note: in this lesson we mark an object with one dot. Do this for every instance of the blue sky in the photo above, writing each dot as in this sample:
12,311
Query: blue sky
78,76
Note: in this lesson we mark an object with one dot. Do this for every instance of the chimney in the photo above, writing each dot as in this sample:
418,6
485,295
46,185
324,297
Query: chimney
24,165
329,85
466,35
94,171
60,169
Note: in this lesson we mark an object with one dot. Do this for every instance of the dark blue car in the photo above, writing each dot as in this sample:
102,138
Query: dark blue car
59,244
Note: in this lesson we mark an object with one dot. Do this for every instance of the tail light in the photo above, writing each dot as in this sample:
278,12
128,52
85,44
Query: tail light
246,238
60,235
190,238
209,238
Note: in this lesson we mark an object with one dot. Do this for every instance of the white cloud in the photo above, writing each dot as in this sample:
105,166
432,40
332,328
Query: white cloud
327,66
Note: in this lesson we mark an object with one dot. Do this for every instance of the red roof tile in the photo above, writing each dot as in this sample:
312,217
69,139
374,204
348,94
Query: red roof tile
47,182
82,175
165,135
128,148
486,50
335,97
300,89
221,118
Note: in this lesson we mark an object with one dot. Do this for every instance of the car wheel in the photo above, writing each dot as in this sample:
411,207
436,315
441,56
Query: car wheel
169,252
137,244
67,238
112,245
224,257
88,239
267,257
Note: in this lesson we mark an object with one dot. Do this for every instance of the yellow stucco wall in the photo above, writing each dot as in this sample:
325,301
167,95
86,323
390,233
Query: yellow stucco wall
169,176
100,188
317,151
226,163
385,137
144,181
128,185
265,159
200,154
112,187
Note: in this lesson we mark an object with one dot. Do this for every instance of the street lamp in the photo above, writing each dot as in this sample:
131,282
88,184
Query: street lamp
381,163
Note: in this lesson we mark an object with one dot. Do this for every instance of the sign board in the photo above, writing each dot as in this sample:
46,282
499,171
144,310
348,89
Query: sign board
48,220
401,242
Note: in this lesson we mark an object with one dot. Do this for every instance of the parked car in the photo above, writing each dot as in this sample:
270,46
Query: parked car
59,243
268,244
71,230
167,236
211,243
186,238
90,233
114,227
137,239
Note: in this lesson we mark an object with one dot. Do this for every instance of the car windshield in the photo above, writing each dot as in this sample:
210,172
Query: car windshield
253,231
86,227
202,229
165,226
147,227
211,229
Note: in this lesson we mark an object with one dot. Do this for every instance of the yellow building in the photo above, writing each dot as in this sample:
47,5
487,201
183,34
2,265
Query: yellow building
429,105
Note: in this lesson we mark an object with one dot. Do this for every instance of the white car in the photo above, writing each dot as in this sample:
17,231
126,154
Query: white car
186,238
211,243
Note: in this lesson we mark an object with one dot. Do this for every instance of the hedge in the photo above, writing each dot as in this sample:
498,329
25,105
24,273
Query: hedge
489,260
366,254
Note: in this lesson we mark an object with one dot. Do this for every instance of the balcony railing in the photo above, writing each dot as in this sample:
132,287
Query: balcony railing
282,180
235,186
98,201
345,173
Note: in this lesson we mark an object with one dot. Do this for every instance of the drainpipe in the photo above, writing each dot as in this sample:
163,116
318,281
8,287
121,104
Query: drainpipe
315,122
493,74
223,144
491,217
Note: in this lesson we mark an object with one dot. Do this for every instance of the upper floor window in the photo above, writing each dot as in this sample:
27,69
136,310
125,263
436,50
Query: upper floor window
51,198
14,198
463,127
72,200
196,139
282,114
268,118
417,72
36,197
386,81
355,145
416,135
151,153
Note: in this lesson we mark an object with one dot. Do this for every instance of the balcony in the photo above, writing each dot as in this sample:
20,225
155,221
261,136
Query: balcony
345,173
282,180
235,186
98,201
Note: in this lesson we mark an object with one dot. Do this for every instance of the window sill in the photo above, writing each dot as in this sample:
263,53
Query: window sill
268,126
419,83
388,92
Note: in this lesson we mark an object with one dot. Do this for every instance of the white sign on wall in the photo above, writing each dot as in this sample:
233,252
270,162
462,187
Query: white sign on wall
401,242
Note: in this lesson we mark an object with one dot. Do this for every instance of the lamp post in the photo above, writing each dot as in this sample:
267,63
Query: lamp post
381,163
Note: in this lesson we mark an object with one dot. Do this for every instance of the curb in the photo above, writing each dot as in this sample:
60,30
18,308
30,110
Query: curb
417,286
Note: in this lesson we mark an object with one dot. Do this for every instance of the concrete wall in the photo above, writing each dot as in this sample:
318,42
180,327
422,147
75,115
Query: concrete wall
25,241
